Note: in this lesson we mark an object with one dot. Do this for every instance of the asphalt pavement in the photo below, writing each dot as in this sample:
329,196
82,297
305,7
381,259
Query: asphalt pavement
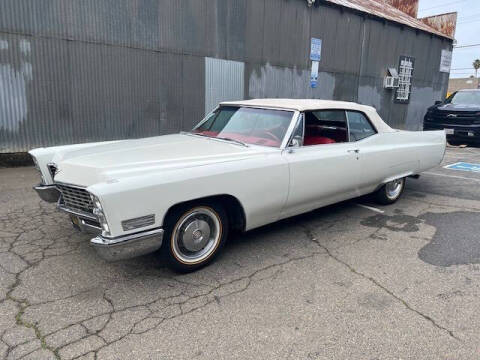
350,281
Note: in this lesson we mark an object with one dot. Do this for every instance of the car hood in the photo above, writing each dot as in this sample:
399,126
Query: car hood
457,107
111,161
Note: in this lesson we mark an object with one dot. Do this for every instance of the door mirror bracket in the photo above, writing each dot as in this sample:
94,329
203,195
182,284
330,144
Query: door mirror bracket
296,142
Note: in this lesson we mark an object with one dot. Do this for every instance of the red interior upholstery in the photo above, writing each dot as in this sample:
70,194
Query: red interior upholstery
317,134
316,140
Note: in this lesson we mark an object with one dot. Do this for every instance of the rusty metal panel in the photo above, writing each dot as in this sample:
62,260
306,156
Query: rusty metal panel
445,23
409,7
383,10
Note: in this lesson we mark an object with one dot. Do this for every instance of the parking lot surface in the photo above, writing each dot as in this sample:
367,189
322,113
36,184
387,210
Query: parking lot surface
345,282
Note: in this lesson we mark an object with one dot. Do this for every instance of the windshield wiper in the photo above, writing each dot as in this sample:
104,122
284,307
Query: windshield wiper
231,140
194,134
215,137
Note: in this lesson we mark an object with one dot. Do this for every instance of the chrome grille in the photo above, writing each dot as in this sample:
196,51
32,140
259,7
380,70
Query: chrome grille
75,198
455,118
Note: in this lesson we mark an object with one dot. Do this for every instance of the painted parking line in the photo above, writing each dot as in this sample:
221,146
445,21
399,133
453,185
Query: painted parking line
450,176
464,166
371,208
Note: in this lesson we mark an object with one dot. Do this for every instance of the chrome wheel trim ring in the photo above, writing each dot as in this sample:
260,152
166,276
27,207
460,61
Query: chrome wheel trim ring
394,188
196,235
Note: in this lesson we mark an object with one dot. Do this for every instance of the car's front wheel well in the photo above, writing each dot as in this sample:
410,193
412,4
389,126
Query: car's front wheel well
233,207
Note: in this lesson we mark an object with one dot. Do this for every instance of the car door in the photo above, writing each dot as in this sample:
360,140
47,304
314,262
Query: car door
371,155
322,169
382,156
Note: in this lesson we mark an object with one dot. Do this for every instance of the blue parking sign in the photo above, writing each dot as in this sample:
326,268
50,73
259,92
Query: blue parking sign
316,49
463,166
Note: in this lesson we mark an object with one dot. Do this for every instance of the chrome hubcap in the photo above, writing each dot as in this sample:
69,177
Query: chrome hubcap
196,235
394,188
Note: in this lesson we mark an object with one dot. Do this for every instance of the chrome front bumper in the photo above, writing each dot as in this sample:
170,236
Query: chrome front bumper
48,193
115,248
109,248
128,246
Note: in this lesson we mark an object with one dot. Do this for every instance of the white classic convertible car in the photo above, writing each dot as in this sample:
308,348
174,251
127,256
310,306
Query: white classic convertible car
247,164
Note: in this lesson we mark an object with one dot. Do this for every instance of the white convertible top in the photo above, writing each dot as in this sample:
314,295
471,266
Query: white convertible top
315,104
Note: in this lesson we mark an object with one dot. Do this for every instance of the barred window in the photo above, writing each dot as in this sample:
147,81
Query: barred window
405,72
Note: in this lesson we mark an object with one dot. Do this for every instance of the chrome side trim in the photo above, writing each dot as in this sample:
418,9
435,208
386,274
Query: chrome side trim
128,246
138,222
48,193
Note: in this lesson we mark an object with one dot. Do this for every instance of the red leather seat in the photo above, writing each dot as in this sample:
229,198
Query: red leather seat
317,140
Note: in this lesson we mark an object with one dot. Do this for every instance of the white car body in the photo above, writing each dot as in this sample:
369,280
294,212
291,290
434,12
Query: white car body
137,178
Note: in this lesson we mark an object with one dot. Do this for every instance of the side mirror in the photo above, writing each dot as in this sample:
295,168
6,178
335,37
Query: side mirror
296,141
438,102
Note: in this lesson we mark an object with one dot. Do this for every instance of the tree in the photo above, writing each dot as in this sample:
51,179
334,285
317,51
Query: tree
476,66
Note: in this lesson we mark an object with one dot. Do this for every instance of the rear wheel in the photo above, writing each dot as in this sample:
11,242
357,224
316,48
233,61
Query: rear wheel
390,192
194,235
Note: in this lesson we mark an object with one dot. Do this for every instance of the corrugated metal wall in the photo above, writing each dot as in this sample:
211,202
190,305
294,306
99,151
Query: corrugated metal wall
77,71
224,80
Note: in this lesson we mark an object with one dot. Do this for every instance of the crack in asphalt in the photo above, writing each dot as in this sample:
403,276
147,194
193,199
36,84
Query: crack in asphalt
310,235
22,304
212,299
34,240
37,234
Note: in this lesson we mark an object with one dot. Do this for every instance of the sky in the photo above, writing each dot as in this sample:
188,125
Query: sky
468,31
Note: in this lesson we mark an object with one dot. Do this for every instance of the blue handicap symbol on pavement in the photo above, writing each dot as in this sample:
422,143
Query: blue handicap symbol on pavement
463,166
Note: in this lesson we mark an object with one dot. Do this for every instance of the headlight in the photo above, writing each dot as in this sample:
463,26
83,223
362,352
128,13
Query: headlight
35,162
98,212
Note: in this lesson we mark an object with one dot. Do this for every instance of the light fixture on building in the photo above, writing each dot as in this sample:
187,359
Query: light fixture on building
310,2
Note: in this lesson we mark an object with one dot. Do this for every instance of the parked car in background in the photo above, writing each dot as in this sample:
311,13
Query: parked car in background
458,115
247,164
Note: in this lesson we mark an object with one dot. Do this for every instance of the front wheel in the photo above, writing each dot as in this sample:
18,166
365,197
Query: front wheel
390,192
194,235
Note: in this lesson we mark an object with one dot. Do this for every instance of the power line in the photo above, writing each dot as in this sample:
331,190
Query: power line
468,21
465,46
442,5
468,17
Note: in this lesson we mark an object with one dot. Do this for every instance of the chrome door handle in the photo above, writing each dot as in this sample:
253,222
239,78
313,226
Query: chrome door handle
354,151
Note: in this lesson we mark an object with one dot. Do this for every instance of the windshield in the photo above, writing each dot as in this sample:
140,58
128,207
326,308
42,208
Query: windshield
247,125
465,98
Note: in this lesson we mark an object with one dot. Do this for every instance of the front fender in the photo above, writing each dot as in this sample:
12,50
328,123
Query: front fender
260,185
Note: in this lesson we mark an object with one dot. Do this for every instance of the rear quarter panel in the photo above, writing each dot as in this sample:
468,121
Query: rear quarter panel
432,146
387,156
